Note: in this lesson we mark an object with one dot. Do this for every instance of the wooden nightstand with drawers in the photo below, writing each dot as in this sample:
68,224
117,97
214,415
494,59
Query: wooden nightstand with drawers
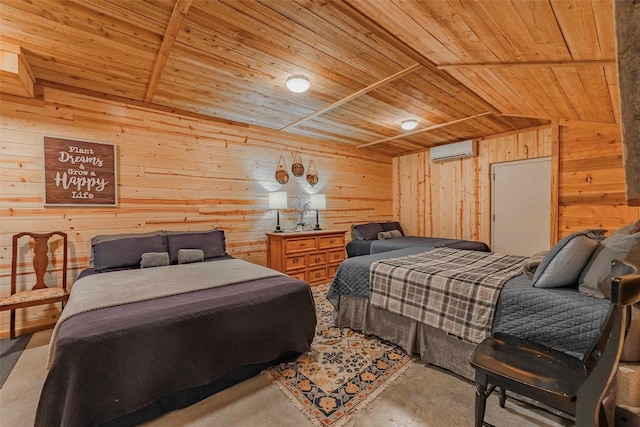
312,256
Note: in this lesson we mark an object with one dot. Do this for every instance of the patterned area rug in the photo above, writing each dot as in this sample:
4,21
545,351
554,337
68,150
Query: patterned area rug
343,372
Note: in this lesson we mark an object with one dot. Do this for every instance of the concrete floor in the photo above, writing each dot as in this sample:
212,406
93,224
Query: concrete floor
422,396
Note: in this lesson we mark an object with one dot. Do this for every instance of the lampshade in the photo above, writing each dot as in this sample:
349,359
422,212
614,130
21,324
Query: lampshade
298,84
409,124
318,201
278,200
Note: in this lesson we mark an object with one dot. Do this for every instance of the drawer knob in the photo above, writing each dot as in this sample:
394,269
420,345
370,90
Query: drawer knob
302,245
317,259
332,241
317,275
295,260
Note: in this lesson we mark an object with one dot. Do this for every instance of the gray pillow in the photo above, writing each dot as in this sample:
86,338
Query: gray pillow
595,280
106,237
187,256
211,243
367,231
154,259
628,229
564,262
395,234
125,253
391,225
385,235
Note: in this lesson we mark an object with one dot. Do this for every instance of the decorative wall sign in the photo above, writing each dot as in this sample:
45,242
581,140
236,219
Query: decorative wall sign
79,173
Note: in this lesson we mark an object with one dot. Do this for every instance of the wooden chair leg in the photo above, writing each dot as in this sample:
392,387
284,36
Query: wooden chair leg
481,401
503,397
12,325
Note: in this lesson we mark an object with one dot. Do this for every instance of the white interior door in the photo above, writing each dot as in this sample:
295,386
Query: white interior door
521,206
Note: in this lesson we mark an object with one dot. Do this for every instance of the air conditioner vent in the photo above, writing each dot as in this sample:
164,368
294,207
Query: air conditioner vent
457,150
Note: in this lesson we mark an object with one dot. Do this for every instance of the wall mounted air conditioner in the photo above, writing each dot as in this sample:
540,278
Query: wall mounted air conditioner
457,150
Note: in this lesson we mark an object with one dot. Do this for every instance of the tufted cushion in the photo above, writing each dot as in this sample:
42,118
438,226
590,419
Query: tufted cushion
564,262
34,295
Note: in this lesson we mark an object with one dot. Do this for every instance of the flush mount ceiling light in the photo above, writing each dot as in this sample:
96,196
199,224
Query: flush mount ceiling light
409,124
298,84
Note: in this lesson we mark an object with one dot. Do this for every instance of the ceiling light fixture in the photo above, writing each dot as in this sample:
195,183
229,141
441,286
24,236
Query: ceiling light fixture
409,124
298,84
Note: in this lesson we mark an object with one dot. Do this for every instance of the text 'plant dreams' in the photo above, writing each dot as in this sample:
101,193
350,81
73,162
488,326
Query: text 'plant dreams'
77,177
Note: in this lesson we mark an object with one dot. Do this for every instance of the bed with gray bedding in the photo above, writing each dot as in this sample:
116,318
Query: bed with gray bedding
562,318
367,241
135,343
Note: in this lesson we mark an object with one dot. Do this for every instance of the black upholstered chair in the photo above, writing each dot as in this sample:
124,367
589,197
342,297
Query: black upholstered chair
556,379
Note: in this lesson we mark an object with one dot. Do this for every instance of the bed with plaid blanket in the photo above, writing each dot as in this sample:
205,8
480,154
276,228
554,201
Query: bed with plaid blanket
452,290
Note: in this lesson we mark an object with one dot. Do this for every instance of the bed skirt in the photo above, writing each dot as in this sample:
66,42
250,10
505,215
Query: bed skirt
434,346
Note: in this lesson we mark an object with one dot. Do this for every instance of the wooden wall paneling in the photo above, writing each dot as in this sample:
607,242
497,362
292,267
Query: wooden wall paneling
176,173
592,182
555,185
456,195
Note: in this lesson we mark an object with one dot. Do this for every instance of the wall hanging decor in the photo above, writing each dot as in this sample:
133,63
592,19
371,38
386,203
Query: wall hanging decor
312,174
281,172
296,167
79,173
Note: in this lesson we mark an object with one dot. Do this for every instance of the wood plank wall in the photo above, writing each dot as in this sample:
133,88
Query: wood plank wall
453,198
175,173
592,187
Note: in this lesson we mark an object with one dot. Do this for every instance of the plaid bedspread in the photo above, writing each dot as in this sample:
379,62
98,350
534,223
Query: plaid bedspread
450,289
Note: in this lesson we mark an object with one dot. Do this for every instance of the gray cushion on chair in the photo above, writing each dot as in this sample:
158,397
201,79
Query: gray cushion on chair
564,262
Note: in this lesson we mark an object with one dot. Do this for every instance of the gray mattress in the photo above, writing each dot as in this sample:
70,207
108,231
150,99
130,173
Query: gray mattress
560,318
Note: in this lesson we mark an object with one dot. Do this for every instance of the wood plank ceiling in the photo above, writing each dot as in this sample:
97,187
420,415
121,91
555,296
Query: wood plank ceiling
500,65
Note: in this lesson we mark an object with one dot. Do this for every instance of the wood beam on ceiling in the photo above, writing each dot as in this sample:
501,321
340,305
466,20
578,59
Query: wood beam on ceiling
430,128
566,122
16,77
528,64
354,95
180,10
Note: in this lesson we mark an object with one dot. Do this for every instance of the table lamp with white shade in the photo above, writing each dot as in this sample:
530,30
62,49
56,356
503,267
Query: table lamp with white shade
278,200
318,201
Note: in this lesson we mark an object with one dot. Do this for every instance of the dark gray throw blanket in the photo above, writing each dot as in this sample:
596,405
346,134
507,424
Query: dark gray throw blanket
118,360
453,290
